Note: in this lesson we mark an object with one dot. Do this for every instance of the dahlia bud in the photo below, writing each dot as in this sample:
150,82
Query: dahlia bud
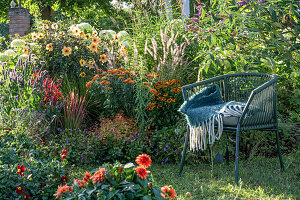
150,184
188,194
121,169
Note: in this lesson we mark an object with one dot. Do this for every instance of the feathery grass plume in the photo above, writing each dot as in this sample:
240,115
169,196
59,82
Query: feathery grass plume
170,56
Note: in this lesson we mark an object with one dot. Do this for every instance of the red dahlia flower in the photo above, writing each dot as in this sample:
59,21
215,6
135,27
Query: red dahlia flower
64,179
142,172
26,196
20,169
143,160
19,190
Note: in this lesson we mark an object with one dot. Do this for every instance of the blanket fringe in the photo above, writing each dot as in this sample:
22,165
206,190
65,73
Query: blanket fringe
206,129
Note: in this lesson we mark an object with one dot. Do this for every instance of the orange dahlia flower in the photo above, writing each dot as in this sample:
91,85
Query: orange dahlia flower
87,177
99,176
168,192
62,189
142,172
80,183
143,160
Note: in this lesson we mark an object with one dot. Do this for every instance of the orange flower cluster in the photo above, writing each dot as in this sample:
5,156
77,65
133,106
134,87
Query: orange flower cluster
129,80
62,189
99,176
164,92
144,162
168,192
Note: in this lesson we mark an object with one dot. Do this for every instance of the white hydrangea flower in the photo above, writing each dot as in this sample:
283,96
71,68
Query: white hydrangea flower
4,57
108,33
23,56
123,35
17,43
10,53
86,27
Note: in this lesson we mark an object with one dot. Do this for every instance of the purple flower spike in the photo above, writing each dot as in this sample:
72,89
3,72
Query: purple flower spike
242,3
194,20
299,2
261,1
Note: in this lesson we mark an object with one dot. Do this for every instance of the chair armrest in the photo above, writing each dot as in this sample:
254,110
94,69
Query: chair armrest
260,108
189,90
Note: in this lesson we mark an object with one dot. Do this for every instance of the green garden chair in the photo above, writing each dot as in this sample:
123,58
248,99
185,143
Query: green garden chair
258,91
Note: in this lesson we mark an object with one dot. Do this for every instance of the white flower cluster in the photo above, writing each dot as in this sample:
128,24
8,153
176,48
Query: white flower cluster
117,4
17,43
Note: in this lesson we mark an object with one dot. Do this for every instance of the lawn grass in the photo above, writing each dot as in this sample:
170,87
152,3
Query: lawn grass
260,178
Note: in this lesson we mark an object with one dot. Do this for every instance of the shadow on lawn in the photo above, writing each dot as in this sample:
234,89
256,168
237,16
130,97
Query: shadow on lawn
260,178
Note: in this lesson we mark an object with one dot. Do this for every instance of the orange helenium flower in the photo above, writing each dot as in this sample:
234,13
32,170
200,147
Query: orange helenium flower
143,160
142,172
99,176
62,189
103,58
33,36
66,51
116,37
75,31
82,62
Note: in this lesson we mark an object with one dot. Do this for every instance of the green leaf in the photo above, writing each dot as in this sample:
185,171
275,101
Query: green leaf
147,198
112,194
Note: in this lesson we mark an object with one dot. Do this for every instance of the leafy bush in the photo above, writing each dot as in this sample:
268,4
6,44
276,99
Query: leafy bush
117,182
26,169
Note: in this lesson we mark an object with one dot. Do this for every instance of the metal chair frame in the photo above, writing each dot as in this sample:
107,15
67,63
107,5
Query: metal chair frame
257,90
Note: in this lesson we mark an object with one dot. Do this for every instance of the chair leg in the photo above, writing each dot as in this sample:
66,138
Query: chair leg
237,157
184,150
227,153
279,151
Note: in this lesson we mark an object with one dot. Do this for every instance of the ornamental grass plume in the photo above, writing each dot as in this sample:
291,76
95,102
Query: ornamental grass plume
74,110
61,190
143,160
99,176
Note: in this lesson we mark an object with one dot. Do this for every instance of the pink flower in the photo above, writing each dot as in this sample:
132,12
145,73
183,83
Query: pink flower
242,3
260,1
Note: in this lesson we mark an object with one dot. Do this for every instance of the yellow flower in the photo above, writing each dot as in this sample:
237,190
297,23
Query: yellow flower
82,74
45,26
96,40
54,26
25,50
66,51
75,31
49,47
95,33
87,36
116,37
122,51
82,34
103,58
93,47
82,62
41,35
34,36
